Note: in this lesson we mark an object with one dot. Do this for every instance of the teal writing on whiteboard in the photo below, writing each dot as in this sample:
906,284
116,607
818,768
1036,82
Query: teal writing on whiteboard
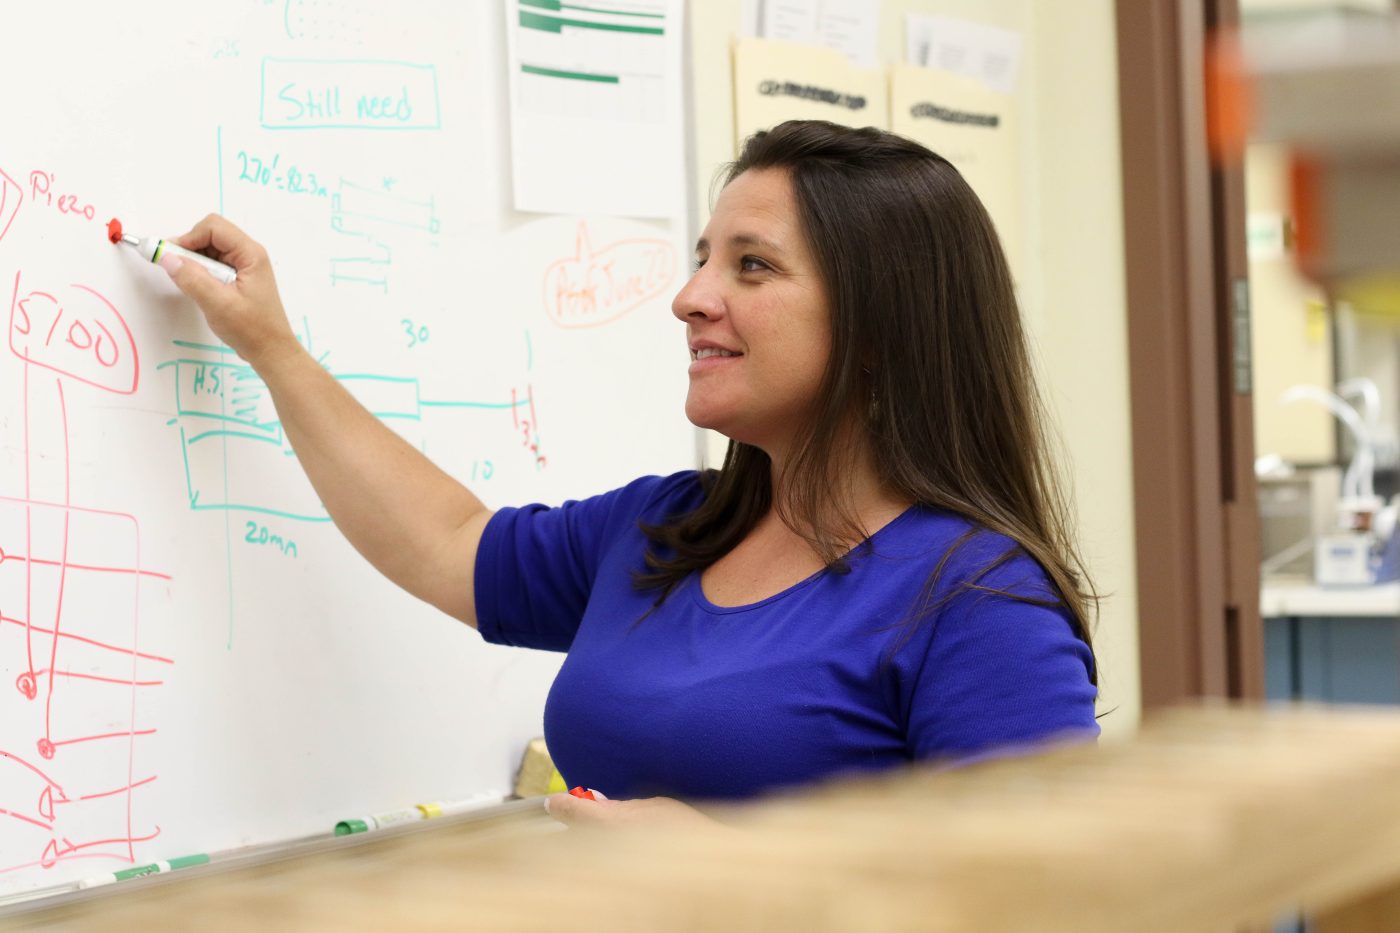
220,400
309,94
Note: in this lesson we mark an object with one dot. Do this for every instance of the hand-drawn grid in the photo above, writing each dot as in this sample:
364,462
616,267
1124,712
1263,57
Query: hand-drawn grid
71,605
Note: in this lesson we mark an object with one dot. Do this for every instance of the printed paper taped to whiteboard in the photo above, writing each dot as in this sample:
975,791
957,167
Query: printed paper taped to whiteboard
596,107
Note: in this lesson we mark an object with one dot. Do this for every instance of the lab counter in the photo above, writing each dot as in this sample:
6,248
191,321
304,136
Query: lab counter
1331,645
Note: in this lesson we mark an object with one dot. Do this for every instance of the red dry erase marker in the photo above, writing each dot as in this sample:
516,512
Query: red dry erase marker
151,249
582,793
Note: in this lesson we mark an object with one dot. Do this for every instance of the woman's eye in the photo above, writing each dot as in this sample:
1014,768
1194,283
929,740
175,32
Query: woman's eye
747,264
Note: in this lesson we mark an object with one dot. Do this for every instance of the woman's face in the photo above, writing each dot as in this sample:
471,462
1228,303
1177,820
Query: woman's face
756,315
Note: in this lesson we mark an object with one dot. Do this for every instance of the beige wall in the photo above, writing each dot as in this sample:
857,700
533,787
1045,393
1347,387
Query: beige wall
1290,335
1073,288
1077,308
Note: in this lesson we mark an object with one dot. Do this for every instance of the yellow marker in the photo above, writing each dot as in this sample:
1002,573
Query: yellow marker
447,808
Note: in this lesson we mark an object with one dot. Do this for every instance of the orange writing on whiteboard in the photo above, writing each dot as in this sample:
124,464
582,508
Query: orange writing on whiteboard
596,287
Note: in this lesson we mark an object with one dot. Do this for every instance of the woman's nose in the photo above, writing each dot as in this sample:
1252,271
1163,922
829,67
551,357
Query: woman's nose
699,297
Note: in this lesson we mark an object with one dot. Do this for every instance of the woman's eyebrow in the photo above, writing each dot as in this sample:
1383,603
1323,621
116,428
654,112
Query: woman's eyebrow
702,245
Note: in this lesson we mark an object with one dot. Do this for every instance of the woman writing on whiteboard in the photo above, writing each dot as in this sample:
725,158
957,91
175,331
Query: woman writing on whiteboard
882,571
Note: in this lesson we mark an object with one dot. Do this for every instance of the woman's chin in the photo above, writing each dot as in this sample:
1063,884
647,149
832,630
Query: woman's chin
709,424
703,416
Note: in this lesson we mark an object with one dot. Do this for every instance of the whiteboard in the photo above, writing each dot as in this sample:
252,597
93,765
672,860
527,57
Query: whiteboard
192,659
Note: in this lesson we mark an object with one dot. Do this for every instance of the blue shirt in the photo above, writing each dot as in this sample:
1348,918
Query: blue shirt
703,701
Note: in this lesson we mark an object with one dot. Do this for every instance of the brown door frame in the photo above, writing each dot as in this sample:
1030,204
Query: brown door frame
1193,447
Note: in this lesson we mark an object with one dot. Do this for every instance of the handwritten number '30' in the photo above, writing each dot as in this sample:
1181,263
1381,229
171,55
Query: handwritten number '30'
415,336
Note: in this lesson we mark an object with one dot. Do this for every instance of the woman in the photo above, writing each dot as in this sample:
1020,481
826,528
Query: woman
882,570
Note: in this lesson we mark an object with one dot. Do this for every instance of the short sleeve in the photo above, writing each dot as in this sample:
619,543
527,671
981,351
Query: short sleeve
1000,674
536,566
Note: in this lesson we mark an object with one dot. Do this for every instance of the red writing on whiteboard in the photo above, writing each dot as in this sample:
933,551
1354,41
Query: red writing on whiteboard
81,334
595,287
74,595
10,197
42,191
527,424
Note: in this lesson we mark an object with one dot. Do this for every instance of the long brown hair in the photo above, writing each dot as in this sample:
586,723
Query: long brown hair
928,355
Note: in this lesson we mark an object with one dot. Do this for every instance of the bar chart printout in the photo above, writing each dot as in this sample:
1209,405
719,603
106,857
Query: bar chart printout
596,103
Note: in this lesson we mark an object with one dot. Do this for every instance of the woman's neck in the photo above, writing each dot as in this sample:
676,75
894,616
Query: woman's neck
859,494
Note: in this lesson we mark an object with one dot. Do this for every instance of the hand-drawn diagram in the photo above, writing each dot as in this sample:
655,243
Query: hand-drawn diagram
237,457
370,216
73,595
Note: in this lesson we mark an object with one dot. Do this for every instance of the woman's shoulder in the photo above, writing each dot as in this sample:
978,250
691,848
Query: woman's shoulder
923,530
963,550
656,498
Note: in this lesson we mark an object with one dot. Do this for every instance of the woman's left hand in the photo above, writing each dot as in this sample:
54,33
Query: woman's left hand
647,811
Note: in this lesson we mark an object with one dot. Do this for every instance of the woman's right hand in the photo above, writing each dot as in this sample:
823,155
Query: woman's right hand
247,314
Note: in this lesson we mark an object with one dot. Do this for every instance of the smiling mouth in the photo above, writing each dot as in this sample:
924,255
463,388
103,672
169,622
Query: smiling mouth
708,352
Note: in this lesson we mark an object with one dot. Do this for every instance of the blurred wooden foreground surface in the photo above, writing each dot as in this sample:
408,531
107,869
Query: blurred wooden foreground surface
1210,819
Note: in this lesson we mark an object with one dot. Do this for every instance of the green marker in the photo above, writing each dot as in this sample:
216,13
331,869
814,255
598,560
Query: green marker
154,868
350,827
380,820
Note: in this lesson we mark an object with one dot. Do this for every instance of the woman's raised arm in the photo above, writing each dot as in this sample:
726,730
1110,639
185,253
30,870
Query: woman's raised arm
414,523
